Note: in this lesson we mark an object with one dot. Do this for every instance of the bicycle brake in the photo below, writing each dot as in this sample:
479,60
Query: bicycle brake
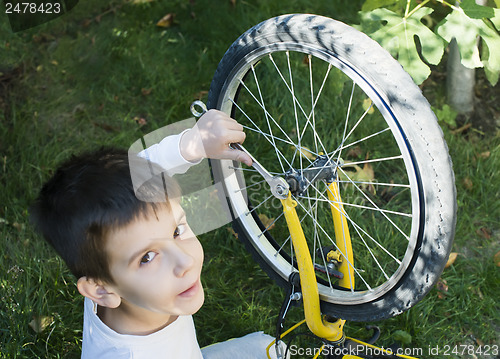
332,258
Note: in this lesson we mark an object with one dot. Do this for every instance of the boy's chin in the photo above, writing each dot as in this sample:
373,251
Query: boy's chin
194,304
200,302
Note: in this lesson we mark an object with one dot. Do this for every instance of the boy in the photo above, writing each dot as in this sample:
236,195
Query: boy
138,263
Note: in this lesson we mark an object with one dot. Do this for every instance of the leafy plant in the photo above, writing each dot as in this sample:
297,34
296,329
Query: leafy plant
446,115
384,21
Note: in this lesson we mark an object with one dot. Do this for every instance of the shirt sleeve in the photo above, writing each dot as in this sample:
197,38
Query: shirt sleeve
167,154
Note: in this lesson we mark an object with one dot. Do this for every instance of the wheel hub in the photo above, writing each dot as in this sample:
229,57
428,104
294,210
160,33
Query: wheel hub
322,169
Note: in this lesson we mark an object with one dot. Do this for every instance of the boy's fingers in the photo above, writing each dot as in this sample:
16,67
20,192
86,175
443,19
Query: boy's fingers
240,156
237,137
230,125
234,125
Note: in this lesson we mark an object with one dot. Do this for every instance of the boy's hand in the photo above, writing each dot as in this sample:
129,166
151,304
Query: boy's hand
211,137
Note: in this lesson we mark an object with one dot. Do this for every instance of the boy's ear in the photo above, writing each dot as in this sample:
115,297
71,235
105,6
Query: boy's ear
100,293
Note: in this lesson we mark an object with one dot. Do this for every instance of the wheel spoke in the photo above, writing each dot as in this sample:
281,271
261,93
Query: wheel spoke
249,186
271,117
358,122
271,224
312,113
295,102
335,245
272,138
346,121
361,206
377,183
260,204
374,160
267,118
374,205
342,147
252,170
257,128
357,226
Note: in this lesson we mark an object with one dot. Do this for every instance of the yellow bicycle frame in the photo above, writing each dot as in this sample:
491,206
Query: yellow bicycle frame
309,286
331,331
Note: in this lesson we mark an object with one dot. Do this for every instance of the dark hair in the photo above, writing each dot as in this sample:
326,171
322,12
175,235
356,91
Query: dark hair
90,195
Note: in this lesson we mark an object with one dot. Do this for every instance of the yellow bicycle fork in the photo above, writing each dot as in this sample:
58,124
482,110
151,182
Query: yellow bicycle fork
319,326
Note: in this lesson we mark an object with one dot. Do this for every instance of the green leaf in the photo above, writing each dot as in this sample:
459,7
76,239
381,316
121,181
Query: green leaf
476,11
370,5
496,19
397,35
491,74
402,337
458,23
446,115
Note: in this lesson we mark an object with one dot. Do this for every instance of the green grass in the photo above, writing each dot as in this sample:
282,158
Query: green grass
83,80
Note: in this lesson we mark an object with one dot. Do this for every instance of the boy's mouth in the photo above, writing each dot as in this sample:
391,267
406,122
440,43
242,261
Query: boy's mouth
192,290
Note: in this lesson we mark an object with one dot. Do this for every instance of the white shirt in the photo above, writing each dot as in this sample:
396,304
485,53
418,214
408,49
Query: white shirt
167,153
176,340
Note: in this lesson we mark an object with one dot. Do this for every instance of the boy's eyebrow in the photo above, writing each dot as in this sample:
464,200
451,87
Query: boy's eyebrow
180,217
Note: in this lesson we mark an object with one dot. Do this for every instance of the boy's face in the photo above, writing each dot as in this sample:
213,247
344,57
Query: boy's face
156,264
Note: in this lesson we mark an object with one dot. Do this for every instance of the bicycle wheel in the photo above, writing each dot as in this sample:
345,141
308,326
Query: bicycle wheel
322,102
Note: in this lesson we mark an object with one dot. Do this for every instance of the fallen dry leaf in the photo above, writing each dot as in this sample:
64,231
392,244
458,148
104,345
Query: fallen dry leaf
484,232
355,152
484,155
305,152
461,129
496,259
39,323
18,226
105,126
480,294
214,195
266,221
442,287
367,105
140,121
230,230
451,259
467,183
166,21
200,95
86,22
146,92
365,174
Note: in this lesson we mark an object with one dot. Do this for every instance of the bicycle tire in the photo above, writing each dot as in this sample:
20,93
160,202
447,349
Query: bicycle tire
241,88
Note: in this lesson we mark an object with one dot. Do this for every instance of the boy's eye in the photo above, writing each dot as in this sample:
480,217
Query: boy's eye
148,257
179,230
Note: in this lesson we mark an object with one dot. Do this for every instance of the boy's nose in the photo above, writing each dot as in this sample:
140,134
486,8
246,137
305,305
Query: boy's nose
183,261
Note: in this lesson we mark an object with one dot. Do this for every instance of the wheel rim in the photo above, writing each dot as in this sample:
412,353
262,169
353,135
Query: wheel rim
323,105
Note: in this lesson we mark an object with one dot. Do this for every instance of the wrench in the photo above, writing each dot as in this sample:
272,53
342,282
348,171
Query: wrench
279,187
